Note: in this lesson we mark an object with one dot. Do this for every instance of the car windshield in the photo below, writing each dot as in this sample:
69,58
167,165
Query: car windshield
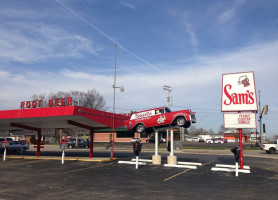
167,110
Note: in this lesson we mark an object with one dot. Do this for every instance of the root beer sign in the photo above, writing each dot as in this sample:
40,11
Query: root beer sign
239,92
51,102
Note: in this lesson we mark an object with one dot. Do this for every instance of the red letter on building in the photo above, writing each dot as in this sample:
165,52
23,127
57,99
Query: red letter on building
22,105
40,103
56,102
28,104
50,102
63,101
69,103
34,104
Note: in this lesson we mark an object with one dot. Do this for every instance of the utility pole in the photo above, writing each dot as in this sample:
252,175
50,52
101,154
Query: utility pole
169,98
260,119
261,112
114,103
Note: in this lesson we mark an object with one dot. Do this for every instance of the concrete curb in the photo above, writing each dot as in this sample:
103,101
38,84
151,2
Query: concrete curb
59,158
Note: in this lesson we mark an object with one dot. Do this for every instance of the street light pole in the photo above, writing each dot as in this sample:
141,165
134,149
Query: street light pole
114,102
113,123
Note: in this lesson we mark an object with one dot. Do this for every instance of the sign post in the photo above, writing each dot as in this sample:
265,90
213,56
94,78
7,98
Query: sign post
239,95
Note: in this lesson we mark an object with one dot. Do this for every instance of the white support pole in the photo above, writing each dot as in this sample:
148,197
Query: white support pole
156,143
167,136
236,168
63,157
5,153
172,143
137,160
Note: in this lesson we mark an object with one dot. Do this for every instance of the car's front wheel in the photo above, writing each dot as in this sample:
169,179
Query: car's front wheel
181,121
272,150
140,128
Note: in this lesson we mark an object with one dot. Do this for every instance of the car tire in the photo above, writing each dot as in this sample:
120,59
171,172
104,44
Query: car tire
272,150
180,121
140,128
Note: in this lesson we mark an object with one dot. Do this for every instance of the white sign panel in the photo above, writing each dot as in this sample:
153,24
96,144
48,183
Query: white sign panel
240,120
81,131
48,132
239,92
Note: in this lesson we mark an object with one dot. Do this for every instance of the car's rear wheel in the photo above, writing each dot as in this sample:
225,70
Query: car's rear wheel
272,150
140,128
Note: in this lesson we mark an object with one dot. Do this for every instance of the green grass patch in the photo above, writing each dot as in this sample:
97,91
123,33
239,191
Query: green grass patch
209,148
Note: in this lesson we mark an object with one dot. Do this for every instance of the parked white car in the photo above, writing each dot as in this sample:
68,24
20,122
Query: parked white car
135,139
270,148
214,141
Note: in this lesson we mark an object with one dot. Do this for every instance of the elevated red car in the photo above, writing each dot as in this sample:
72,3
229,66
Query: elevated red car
147,120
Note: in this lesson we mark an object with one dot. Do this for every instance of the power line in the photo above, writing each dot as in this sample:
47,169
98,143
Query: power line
108,37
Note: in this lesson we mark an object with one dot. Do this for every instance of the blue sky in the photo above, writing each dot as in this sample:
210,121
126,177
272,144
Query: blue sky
47,46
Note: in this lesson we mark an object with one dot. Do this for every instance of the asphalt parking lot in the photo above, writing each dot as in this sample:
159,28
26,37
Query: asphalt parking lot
49,179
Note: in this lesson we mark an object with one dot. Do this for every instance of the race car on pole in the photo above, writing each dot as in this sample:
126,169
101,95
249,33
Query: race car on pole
147,120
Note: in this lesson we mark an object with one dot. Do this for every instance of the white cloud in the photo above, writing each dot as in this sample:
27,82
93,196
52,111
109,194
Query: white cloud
33,42
192,36
230,13
128,5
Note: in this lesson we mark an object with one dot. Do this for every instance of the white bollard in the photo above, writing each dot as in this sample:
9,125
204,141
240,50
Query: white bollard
137,159
236,168
63,157
5,152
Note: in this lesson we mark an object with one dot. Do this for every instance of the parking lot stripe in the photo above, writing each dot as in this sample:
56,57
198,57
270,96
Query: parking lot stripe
207,163
76,170
167,179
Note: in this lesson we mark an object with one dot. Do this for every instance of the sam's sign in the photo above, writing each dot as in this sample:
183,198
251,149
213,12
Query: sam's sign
238,92
51,102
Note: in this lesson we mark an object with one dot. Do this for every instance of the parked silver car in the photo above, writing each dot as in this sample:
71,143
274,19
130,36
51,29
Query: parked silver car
18,146
14,145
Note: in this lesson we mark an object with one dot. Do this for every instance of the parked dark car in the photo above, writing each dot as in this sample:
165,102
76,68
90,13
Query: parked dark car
152,140
81,143
201,140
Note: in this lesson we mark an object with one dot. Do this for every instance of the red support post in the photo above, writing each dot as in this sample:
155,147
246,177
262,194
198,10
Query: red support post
91,143
38,153
113,136
241,149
